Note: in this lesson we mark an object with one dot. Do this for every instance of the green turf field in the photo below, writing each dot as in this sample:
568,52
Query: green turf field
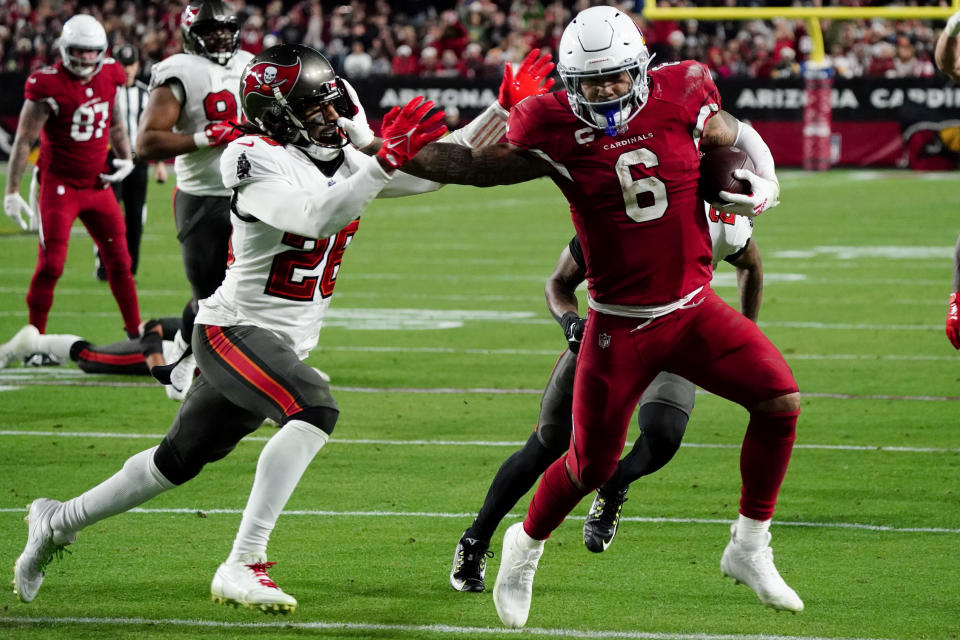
438,342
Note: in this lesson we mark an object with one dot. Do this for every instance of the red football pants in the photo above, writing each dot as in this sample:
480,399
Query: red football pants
710,344
100,213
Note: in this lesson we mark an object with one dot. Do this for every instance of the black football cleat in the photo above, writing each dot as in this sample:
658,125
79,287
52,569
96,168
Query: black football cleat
603,519
470,565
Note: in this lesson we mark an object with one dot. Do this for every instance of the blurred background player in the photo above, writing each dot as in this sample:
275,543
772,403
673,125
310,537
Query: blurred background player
132,192
662,415
947,58
70,107
624,145
192,112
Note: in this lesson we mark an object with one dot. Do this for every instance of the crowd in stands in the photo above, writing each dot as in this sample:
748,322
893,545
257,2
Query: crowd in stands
472,38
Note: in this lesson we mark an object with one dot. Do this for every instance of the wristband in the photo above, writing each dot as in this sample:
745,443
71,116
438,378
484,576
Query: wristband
200,139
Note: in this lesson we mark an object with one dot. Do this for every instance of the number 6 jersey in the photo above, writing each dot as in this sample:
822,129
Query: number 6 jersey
634,197
74,140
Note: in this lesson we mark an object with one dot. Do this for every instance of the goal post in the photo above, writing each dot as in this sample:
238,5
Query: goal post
818,76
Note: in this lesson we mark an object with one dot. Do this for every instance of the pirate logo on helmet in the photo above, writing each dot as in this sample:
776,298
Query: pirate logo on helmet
189,15
266,77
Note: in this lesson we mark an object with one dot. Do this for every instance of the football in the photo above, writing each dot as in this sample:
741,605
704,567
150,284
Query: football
716,172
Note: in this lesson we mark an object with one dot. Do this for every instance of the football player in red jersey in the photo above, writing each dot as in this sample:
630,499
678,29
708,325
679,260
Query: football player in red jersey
947,57
70,107
624,147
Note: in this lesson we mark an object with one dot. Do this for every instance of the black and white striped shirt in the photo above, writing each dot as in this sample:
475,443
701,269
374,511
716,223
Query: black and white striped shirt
131,102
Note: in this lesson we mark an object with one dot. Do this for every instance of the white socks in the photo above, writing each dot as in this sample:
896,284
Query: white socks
753,533
57,345
138,481
282,463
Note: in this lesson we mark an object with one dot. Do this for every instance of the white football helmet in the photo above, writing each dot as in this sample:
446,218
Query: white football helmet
82,32
600,41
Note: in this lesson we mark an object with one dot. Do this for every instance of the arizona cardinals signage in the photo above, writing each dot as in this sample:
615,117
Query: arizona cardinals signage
265,77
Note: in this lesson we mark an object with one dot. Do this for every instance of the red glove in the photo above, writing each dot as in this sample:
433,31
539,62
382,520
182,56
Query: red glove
529,79
222,132
405,131
953,320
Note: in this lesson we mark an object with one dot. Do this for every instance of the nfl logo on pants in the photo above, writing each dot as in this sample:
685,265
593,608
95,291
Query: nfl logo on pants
604,340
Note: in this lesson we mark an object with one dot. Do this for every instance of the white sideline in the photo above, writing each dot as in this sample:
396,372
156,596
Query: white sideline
443,629
322,513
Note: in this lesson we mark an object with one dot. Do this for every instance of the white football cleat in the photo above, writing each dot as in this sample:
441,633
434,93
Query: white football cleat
43,545
753,566
19,346
245,583
513,589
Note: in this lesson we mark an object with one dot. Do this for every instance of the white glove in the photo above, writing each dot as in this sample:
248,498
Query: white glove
124,168
953,25
360,133
15,206
766,195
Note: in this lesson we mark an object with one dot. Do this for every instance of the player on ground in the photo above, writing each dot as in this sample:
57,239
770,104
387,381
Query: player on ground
126,357
663,414
624,146
299,191
191,114
947,57
70,107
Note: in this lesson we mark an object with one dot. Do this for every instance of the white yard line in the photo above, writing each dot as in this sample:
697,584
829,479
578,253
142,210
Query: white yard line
459,443
322,513
434,629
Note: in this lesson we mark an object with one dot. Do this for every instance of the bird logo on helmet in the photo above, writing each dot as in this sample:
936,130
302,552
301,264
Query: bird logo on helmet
604,42
210,30
284,83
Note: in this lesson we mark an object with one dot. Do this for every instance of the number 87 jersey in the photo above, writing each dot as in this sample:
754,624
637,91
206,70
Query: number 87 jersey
76,135
634,196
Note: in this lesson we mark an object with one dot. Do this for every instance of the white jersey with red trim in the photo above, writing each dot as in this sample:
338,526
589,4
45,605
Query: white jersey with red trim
292,223
211,93
729,233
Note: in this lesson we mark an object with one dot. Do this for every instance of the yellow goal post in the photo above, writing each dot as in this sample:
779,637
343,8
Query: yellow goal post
813,15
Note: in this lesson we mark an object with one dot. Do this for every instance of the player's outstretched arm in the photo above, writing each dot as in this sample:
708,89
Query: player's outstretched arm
483,167
155,137
946,54
750,280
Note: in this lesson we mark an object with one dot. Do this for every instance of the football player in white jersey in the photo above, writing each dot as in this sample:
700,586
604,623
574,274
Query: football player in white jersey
299,189
192,113
664,409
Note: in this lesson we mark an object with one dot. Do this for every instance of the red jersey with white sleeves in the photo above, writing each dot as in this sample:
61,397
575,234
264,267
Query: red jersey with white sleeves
76,136
633,197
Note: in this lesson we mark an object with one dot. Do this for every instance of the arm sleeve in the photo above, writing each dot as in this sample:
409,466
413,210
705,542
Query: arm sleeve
319,211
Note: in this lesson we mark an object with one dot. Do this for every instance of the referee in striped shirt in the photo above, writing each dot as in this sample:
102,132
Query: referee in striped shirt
132,192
